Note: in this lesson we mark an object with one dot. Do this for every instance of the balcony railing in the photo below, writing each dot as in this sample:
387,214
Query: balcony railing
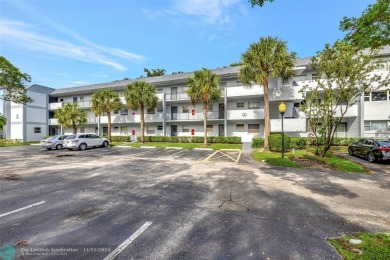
289,125
90,120
177,96
54,106
194,117
245,114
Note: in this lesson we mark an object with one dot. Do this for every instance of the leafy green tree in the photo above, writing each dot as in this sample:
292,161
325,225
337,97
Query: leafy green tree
346,73
259,2
203,86
71,116
154,72
106,100
372,29
266,59
3,122
141,95
12,82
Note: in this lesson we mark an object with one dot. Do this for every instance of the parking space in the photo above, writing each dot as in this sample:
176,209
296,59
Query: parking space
128,203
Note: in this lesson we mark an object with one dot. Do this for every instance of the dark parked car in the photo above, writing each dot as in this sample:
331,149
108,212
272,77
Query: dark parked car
371,149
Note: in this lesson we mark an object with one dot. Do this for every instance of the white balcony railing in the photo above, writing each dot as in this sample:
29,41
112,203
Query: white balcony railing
53,121
240,91
90,120
245,114
176,96
194,117
289,125
54,106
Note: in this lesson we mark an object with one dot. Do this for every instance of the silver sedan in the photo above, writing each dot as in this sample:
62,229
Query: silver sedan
55,141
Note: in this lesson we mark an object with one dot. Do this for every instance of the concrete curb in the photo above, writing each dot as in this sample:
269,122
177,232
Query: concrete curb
36,144
204,149
148,147
174,148
230,150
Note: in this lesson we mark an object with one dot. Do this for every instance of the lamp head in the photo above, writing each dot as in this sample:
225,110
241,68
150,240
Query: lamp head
282,108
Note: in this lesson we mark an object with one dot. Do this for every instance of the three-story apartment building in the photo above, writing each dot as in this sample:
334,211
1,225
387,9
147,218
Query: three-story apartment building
239,112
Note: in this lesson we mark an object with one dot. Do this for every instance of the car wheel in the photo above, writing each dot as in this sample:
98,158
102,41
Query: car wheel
350,152
370,157
48,148
59,146
82,147
105,144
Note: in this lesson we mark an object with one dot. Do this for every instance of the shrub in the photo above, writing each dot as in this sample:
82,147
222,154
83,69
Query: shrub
192,139
119,138
298,143
275,142
257,142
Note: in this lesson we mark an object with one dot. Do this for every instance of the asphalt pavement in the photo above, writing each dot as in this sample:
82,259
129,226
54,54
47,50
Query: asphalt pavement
175,204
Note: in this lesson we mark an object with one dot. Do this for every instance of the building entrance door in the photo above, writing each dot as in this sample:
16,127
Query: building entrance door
221,111
173,130
221,131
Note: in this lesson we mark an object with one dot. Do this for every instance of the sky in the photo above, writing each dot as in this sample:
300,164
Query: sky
65,43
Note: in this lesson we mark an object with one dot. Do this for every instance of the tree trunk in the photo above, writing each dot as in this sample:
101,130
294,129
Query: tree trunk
205,125
142,124
109,125
324,150
266,116
74,126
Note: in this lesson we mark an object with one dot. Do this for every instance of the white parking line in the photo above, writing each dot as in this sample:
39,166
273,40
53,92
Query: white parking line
181,151
128,241
17,210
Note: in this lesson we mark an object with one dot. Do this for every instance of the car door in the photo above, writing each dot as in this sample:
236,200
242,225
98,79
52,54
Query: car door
98,141
366,148
358,147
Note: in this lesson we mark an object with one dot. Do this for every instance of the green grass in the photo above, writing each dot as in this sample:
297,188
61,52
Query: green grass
275,159
333,161
187,145
373,246
17,144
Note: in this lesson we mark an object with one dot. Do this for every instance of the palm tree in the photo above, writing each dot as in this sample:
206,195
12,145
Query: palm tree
106,100
141,95
203,86
71,116
3,122
264,59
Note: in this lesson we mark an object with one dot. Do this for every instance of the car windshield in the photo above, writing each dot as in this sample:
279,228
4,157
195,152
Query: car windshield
384,143
51,137
70,137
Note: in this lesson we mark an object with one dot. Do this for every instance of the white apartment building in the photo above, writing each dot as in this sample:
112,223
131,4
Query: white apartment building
239,112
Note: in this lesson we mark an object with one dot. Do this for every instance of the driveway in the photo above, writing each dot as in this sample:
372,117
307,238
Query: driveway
377,167
166,204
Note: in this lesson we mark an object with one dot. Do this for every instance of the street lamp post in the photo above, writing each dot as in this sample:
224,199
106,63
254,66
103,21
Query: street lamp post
282,109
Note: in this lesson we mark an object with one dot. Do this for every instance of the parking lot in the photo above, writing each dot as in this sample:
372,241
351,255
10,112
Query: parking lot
127,203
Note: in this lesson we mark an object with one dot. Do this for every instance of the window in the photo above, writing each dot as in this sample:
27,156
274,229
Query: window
186,109
82,98
124,112
314,76
240,127
253,128
82,129
367,125
37,130
210,107
160,127
379,96
150,111
116,112
159,107
367,96
124,130
240,105
253,105
209,129
185,128
116,129
377,125
160,90
74,99
150,131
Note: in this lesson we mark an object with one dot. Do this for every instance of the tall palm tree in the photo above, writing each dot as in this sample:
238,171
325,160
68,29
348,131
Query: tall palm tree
203,86
141,95
263,60
106,100
3,122
71,116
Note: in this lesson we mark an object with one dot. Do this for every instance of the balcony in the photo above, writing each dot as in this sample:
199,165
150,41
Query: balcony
245,91
90,120
245,114
54,106
176,96
290,125
53,121
194,117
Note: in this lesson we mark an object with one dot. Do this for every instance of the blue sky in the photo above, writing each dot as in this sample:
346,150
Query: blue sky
64,43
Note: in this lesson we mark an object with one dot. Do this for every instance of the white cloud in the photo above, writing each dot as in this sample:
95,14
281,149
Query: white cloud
23,34
211,12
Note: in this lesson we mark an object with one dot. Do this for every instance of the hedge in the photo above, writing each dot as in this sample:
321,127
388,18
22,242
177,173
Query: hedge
192,139
120,138
275,142
298,143
257,142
